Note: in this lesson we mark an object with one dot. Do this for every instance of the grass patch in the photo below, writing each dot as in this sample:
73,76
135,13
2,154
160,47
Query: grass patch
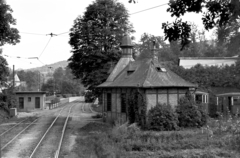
220,138
97,108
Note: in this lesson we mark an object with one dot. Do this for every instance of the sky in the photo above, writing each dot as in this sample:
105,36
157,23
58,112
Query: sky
42,17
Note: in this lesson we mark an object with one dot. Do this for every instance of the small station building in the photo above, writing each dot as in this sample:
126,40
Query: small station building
30,101
156,82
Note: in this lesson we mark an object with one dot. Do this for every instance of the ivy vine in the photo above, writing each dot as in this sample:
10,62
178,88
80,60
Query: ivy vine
137,107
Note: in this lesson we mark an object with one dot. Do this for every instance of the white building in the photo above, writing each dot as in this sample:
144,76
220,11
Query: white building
188,62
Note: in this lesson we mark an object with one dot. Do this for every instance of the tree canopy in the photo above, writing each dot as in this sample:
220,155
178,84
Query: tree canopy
8,34
95,39
4,71
215,13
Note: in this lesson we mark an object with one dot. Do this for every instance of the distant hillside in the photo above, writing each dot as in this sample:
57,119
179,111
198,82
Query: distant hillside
45,69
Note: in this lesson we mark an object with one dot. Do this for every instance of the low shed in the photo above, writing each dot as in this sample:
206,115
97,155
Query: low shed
30,100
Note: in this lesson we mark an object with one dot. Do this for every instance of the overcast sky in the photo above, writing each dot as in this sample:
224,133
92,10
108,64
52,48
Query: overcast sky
57,16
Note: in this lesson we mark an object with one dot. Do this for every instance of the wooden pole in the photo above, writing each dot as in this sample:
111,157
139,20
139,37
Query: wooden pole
13,77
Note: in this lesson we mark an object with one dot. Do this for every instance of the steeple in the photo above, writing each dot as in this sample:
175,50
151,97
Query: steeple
126,46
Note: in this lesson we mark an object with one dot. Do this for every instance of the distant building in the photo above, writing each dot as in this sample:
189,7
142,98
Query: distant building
188,62
28,101
226,99
156,82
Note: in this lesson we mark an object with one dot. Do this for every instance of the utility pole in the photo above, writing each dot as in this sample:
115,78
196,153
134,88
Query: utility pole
13,78
39,81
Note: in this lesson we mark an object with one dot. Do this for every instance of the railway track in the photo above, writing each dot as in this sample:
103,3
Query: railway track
50,142
14,132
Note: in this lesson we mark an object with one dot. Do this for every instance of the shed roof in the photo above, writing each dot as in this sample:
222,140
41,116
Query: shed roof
145,74
31,92
224,90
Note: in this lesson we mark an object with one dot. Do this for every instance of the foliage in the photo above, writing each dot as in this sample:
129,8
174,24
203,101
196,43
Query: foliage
210,76
129,141
64,82
137,108
4,72
32,79
8,99
8,34
89,97
190,114
215,14
162,118
95,39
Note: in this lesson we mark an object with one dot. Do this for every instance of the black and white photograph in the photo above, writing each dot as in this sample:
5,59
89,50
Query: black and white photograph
119,79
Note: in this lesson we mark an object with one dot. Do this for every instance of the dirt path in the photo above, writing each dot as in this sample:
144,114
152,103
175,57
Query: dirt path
22,147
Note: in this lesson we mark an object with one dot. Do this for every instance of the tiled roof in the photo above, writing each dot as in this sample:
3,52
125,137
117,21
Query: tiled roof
146,73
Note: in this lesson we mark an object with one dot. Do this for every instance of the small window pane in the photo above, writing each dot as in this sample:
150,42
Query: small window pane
123,103
29,99
109,102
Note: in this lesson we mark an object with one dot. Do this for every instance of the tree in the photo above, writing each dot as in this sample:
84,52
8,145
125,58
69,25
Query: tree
216,13
8,34
4,71
31,78
95,39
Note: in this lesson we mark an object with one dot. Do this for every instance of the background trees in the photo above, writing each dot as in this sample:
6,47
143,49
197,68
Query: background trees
95,39
63,82
4,71
8,34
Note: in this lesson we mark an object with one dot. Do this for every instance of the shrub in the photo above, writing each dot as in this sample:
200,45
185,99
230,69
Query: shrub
89,97
190,114
162,118
97,116
136,108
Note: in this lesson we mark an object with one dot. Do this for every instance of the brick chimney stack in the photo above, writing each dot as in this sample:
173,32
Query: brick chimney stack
126,46
154,52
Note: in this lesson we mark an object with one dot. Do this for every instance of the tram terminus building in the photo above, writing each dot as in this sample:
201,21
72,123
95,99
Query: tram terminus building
157,83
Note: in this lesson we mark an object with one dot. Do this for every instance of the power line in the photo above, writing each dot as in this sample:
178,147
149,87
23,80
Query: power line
148,9
29,33
45,47
62,33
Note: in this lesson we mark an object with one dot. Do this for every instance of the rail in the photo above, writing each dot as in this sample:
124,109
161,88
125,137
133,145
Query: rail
42,138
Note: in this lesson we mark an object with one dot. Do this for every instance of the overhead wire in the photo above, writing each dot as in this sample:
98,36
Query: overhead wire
149,9
45,47
29,33
51,34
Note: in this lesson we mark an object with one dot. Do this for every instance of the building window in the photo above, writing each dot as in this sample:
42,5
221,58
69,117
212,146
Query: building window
236,100
199,98
29,99
109,101
21,103
123,103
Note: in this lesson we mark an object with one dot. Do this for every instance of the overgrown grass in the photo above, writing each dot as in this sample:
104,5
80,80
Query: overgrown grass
220,138
97,108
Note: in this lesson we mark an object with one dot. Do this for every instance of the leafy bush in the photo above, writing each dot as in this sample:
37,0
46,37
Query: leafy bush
136,108
162,118
97,116
89,97
190,114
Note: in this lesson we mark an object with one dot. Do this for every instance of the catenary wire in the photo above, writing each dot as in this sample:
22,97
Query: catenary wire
148,9
69,31
45,47
29,33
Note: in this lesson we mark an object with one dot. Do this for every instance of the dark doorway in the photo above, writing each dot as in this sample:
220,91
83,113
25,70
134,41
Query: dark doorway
21,102
230,104
37,102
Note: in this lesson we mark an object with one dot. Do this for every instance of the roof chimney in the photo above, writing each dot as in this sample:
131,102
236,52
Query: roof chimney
126,47
154,52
